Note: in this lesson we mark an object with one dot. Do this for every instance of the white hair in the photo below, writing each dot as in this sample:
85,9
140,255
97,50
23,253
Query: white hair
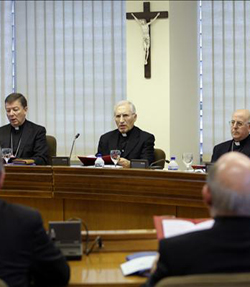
125,102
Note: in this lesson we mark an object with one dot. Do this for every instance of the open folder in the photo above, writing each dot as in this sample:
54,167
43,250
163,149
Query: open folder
168,226
87,161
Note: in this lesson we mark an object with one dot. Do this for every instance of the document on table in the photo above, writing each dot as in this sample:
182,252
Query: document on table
138,264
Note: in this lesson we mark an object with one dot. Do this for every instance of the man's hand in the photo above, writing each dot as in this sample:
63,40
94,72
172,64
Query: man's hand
124,162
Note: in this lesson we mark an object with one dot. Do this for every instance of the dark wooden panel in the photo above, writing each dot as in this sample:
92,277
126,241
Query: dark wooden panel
50,209
28,181
125,198
108,215
187,212
131,240
106,198
126,185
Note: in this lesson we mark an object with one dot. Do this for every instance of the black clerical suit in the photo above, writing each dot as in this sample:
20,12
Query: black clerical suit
225,248
28,142
26,252
222,148
137,144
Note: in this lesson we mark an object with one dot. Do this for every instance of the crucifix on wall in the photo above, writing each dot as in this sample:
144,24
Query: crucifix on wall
145,19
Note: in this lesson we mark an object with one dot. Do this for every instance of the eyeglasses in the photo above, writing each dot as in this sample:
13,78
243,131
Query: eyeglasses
238,124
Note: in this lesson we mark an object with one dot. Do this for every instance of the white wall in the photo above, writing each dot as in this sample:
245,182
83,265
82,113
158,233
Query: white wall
168,103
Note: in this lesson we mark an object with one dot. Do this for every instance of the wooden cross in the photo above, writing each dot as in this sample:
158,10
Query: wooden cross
149,17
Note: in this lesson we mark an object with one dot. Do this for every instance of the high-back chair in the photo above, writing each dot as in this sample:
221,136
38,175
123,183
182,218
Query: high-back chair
207,280
51,142
160,155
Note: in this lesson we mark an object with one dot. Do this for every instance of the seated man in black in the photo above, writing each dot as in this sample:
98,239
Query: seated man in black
240,128
130,140
26,139
224,248
27,254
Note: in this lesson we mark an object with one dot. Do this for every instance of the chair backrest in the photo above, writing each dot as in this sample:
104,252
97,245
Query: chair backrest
207,280
3,284
159,154
51,142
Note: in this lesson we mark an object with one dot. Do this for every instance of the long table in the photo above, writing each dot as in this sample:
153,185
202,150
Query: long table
105,198
102,267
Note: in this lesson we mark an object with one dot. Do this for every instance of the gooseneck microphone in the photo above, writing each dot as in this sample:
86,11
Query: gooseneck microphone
76,137
154,166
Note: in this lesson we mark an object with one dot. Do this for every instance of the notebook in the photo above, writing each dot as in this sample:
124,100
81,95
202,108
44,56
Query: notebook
67,236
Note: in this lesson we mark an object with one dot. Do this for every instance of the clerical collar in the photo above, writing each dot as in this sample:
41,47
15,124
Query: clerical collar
19,128
239,145
124,135
241,142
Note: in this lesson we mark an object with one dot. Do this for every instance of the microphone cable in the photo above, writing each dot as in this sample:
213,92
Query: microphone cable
97,241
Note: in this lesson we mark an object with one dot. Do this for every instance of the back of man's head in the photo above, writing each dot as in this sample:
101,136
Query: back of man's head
228,186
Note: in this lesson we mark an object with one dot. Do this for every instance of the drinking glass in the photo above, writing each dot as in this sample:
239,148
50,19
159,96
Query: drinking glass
115,155
6,153
187,158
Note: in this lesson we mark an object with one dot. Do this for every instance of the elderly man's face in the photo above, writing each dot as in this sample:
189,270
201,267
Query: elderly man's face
239,125
124,118
16,113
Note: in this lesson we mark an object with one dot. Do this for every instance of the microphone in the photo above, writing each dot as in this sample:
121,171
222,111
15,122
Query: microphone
76,137
153,166
64,160
52,234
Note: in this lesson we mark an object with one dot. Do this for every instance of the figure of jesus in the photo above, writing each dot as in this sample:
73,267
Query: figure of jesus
145,33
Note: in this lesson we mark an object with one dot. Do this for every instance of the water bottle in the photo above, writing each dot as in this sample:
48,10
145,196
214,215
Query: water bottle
173,165
99,162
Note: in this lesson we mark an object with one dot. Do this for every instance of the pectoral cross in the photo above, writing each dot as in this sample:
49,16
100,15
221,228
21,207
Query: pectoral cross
145,19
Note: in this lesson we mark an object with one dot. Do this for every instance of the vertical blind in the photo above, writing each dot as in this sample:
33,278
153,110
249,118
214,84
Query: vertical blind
225,67
70,64
5,52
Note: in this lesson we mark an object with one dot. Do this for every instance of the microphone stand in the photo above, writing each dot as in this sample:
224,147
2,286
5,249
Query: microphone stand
76,137
153,166
64,160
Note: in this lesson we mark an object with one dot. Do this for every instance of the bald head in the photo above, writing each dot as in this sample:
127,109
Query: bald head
228,186
240,126
243,113
233,172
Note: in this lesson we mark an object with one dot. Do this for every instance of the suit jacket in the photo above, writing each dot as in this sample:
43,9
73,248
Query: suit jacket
225,248
26,251
140,144
225,147
33,144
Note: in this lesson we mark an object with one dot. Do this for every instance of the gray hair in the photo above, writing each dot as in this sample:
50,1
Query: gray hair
124,102
225,200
